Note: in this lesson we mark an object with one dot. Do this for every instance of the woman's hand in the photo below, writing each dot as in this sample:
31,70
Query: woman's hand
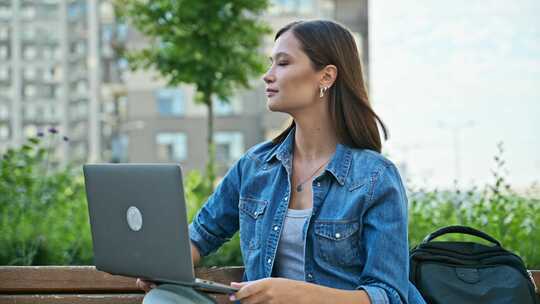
145,285
280,290
270,290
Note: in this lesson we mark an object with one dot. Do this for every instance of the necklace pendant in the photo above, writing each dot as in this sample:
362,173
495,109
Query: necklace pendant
299,188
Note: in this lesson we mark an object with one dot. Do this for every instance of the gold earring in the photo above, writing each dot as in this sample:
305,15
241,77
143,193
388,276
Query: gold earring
322,91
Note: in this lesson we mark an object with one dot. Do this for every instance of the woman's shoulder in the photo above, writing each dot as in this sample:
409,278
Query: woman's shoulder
371,157
369,163
260,153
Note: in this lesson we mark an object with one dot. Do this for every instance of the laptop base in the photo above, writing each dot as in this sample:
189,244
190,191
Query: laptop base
176,294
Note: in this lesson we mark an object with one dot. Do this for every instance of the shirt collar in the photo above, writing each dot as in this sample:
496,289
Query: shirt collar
284,150
340,163
338,166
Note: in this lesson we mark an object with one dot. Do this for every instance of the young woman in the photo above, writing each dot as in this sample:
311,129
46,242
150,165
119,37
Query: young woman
322,214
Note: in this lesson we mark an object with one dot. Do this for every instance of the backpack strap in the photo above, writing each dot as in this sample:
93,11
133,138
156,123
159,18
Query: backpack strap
460,229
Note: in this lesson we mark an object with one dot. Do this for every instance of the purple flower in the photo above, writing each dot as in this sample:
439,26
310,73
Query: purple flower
53,130
65,138
40,134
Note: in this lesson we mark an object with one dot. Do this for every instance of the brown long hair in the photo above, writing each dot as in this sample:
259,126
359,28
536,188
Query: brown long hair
326,42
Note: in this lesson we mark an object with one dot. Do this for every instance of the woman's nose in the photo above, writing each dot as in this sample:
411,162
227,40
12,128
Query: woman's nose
268,77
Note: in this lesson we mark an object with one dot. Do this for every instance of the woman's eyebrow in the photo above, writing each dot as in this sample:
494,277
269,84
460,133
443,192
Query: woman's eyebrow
277,55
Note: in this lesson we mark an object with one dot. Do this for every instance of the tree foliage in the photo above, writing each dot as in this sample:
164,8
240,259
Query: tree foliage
212,44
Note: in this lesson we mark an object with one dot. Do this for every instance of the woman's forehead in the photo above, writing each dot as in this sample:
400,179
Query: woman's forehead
286,44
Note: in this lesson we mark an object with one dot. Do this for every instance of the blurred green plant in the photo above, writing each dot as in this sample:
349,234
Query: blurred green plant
510,217
43,215
212,44
197,191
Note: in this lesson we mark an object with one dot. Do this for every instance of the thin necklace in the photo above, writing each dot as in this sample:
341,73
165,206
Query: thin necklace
299,186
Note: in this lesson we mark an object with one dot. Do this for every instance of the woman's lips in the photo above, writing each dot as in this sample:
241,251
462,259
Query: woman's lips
271,92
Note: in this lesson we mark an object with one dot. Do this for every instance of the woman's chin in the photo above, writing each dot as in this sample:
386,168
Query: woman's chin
273,105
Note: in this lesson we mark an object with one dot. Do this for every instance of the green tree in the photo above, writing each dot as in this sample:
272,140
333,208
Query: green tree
212,44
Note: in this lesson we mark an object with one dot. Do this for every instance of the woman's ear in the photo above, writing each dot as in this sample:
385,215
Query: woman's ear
328,76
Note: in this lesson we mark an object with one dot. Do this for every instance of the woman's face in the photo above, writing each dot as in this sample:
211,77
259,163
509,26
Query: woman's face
291,81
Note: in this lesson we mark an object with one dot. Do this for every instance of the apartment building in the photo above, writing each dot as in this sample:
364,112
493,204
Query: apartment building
56,73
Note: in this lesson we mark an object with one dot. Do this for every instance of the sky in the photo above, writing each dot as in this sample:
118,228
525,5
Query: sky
451,79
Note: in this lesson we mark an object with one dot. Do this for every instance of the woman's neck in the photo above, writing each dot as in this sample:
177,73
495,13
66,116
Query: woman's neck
315,137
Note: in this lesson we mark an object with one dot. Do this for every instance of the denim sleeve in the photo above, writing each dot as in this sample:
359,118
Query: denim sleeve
217,221
385,277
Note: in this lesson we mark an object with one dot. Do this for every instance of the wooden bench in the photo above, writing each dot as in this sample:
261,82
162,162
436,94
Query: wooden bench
86,285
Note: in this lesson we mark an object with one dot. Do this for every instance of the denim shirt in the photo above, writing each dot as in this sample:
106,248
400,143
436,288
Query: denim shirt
355,238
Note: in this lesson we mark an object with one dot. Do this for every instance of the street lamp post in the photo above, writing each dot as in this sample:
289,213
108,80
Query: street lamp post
456,129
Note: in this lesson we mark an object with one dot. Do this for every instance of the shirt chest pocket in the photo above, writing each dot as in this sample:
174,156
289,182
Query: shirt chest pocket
338,243
251,215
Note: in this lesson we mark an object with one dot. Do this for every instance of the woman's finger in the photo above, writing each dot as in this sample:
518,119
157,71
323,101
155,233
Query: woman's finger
146,286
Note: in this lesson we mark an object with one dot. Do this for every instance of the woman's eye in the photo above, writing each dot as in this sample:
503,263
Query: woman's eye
283,63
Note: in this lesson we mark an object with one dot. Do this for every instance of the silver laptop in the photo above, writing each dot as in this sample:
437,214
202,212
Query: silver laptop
139,224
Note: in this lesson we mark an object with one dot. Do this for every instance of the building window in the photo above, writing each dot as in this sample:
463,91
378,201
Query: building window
82,88
229,146
28,12
291,7
327,9
29,33
119,147
121,32
57,53
76,10
170,102
4,33
4,52
30,91
29,73
171,147
5,12
4,132
4,111
30,130
49,112
30,52
222,107
4,73
29,111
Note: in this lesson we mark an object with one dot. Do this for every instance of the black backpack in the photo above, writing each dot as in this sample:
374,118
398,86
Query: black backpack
468,272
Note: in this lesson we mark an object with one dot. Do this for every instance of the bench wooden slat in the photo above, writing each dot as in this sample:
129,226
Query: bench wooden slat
84,299
86,279
60,279
72,298
86,285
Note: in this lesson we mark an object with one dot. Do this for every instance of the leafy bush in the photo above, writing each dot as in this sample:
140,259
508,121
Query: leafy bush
44,216
509,217
198,190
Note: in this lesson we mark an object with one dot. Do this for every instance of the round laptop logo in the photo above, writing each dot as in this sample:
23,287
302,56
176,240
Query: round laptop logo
134,218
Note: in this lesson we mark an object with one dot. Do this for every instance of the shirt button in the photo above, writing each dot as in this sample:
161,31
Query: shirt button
269,261
338,235
318,184
285,198
309,275
276,228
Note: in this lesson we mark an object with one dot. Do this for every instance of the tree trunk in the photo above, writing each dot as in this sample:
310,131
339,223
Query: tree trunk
211,165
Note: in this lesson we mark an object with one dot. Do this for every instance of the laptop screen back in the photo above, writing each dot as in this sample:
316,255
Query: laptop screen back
138,221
